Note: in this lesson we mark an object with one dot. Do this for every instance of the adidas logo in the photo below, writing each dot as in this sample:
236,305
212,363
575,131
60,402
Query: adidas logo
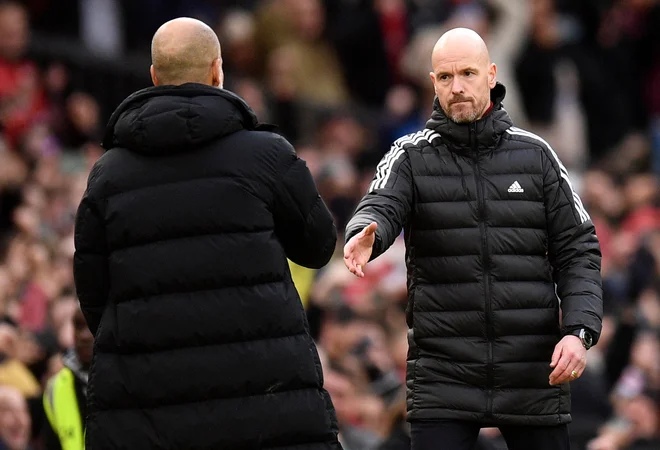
515,187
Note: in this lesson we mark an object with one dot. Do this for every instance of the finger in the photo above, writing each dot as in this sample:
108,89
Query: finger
556,355
582,365
352,266
349,262
572,372
563,363
349,253
559,377
348,259
370,229
567,374
577,367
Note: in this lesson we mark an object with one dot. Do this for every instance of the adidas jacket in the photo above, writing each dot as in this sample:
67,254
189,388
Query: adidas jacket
502,258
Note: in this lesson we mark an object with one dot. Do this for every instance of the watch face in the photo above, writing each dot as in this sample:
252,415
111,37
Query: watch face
586,338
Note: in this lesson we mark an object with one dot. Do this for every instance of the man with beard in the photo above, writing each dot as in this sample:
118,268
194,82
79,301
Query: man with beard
65,397
495,236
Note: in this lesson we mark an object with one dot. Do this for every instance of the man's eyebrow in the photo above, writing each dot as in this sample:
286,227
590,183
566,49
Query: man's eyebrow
464,69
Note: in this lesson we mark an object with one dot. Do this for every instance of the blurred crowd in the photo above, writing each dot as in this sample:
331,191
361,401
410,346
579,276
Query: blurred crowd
343,79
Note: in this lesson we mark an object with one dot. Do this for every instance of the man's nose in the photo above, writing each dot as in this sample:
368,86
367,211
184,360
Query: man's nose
456,86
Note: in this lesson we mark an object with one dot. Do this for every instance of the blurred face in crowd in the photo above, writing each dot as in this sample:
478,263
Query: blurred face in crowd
641,190
13,31
8,340
309,18
643,414
462,75
83,112
602,195
14,419
83,338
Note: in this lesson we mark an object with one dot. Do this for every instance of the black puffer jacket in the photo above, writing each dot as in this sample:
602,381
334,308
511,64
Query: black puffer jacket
182,240
491,223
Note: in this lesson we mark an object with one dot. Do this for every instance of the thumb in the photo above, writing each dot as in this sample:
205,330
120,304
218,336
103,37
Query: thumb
556,355
370,229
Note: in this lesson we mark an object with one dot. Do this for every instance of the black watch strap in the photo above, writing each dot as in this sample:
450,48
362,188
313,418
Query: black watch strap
585,337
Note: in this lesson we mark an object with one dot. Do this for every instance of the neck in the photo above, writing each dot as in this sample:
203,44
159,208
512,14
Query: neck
486,111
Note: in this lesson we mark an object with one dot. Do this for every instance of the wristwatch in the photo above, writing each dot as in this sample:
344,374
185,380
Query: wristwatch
585,337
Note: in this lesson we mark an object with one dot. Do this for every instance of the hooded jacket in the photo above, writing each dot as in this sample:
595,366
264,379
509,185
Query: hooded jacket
182,239
496,240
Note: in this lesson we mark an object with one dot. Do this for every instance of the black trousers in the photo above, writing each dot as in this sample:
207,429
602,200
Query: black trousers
458,435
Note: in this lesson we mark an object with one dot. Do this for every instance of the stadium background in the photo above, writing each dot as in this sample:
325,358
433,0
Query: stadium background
343,79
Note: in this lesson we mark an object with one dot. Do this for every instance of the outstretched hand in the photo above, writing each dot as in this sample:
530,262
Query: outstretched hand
568,360
357,250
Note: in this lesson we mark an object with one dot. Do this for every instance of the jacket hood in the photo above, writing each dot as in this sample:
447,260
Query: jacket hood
171,119
486,130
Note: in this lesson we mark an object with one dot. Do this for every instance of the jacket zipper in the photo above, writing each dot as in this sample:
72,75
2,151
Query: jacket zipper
486,267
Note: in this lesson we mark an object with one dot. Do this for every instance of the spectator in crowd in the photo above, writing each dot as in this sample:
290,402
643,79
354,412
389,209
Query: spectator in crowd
65,396
22,98
15,423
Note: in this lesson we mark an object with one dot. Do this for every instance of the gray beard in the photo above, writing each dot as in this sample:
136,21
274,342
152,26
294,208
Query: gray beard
471,117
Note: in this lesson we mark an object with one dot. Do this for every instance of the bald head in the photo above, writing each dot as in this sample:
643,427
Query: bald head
463,74
186,50
460,41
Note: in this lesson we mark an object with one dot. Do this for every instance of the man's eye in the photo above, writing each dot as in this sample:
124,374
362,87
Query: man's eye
468,73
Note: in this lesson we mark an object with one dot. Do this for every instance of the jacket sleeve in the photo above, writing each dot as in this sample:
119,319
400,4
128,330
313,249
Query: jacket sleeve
303,223
388,202
90,263
573,251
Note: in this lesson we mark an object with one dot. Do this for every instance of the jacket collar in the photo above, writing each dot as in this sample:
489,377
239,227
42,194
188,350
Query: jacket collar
483,134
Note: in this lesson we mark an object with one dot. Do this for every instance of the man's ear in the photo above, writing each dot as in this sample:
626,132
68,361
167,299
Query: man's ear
154,78
218,75
432,75
492,75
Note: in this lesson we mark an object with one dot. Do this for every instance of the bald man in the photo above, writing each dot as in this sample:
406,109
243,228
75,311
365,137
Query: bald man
182,240
504,286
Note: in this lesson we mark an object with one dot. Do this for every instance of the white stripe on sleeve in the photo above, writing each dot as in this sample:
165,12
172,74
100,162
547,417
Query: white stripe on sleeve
386,165
582,212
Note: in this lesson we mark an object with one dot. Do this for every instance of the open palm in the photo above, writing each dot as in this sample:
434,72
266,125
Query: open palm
357,250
